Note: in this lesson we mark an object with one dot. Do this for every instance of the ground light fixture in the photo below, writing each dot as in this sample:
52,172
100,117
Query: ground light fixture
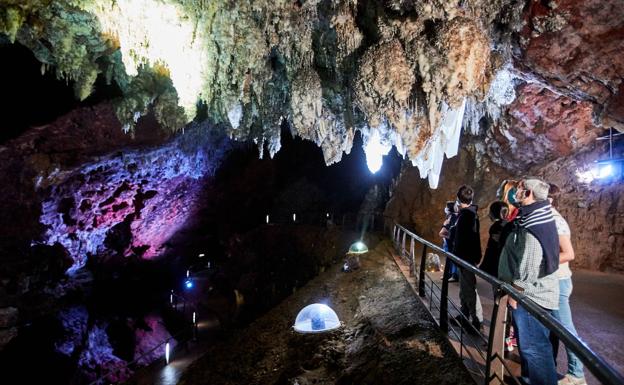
316,318
188,284
358,248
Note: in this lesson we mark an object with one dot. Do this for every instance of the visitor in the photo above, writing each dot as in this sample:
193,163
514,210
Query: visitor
498,215
574,374
450,212
528,261
467,246
507,193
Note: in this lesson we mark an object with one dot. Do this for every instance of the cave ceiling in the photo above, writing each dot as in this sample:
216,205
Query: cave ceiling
404,73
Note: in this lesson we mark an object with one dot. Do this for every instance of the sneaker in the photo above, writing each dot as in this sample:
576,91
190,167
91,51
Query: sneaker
509,344
453,279
569,379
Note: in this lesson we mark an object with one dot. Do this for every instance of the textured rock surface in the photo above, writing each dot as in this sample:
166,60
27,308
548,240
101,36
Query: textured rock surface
399,72
541,126
383,325
576,47
130,201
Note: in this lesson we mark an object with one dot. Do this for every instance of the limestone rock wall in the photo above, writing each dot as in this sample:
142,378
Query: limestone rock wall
399,72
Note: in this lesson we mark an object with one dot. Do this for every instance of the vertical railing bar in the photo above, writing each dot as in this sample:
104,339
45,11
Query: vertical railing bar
461,342
403,244
444,298
421,273
430,293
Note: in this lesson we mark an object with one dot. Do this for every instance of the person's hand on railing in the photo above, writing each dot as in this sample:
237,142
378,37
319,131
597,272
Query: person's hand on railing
513,303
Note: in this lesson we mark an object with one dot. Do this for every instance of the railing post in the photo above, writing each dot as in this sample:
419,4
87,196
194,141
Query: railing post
412,260
403,245
496,341
421,273
444,297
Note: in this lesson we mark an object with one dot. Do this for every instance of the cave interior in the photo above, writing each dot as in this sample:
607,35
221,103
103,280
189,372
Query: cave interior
226,155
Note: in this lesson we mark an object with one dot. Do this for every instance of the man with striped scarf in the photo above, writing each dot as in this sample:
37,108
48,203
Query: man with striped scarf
528,261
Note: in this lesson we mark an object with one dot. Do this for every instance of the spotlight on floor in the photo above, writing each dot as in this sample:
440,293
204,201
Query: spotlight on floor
358,248
316,318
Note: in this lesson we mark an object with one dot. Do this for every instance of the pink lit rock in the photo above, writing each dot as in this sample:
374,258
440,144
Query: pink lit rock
149,338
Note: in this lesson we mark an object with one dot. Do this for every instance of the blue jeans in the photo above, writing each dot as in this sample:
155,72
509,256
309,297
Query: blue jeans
536,353
453,270
564,315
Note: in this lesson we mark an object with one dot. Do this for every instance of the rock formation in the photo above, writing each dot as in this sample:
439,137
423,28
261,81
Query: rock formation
532,85
399,72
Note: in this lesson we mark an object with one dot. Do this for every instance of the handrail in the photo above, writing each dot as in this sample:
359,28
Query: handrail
136,360
595,364
175,337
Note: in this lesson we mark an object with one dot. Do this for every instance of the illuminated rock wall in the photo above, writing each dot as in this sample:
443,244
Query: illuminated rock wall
84,184
129,203
399,72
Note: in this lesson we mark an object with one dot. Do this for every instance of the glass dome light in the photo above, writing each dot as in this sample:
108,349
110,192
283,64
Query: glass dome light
316,318
358,248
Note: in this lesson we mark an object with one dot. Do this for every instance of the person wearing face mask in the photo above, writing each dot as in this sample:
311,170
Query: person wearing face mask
467,246
507,193
529,259
447,234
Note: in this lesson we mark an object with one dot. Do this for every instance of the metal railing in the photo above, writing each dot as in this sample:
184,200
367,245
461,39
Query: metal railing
495,363
177,303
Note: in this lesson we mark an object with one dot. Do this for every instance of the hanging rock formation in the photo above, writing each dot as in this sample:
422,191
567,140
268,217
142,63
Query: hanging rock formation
399,72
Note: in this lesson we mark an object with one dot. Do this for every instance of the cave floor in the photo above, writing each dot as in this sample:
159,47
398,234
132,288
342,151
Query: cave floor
387,337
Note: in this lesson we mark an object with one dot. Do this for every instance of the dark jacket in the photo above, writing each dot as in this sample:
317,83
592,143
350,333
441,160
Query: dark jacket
498,233
467,240
448,242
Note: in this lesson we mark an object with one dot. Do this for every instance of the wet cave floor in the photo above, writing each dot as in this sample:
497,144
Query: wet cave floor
387,337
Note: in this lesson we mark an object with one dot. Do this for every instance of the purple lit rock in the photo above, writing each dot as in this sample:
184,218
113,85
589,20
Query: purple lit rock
74,322
126,203
149,338
98,361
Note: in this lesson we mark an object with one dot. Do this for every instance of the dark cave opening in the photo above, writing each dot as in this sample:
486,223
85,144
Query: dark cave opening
32,96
